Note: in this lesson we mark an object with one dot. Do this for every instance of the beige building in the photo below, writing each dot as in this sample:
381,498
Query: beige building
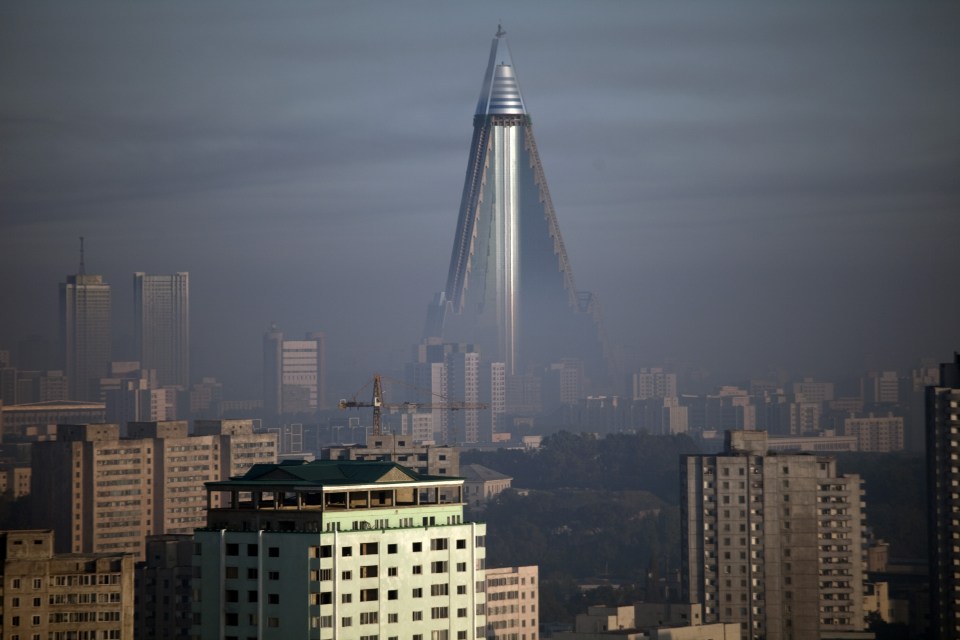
17,422
481,484
513,603
62,597
876,433
434,460
772,542
14,479
648,621
103,493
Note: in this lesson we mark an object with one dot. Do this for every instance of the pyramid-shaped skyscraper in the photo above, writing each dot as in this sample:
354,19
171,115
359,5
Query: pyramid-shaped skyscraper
510,289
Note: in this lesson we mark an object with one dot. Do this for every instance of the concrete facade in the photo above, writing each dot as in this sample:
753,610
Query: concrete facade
943,500
772,541
164,589
422,458
104,493
162,325
513,603
85,334
62,597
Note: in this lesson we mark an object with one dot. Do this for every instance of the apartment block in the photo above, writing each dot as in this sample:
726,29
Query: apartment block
513,603
772,541
422,458
62,596
339,549
164,592
943,500
105,493
880,434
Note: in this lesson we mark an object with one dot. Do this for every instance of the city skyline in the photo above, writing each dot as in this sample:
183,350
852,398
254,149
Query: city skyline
743,186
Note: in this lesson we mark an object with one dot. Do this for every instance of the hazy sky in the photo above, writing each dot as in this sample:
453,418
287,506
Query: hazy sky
742,184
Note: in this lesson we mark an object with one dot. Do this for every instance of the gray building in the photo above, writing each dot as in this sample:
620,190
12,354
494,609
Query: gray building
162,326
772,541
943,477
85,333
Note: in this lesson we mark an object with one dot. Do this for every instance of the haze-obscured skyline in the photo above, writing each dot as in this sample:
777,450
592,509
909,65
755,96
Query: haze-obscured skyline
743,185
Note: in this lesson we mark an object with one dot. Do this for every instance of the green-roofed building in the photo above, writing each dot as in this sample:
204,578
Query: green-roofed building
339,549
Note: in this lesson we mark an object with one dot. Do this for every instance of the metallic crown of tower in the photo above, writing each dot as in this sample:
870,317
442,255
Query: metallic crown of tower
501,92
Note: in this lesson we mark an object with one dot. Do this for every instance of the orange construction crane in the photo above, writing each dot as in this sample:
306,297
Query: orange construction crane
378,404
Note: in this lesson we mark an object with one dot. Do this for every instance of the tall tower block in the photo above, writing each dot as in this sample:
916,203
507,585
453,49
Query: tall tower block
510,288
162,325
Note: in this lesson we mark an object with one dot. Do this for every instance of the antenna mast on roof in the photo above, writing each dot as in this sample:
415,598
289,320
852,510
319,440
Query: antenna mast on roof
83,268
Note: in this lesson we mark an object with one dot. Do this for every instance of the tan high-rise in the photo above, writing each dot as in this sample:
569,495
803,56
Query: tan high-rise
105,494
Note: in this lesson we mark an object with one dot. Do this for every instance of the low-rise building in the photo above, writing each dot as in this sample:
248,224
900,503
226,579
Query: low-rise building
482,484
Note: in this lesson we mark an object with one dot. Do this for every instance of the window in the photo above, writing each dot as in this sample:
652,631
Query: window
417,569
252,596
326,574
253,550
462,613
462,543
231,572
391,548
15,583
392,572
346,598
232,595
326,597
273,575
346,575
461,589
273,622
273,552
392,594
36,602
368,548
326,551
417,547
439,613
417,592
438,544
438,566
273,598
369,595
346,622
461,566
368,617
368,571
231,619
442,589
252,573
346,552
393,618
416,616
326,622
233,549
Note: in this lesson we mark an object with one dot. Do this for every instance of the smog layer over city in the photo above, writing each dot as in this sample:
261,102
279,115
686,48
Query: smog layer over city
602,285
743,187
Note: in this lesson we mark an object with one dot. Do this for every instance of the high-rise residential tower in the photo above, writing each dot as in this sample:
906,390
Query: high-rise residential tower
943,503
772,541
339,549
85,336
510,287
161,306
294,373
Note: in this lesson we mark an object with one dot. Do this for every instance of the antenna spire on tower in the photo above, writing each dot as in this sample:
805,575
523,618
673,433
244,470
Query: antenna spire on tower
83,268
